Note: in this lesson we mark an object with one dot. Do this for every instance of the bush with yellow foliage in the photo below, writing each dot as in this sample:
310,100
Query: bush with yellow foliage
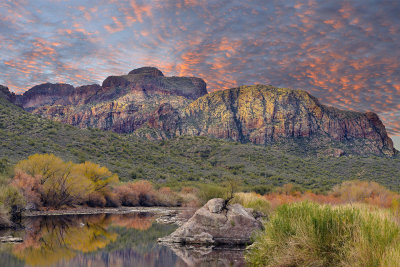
48,181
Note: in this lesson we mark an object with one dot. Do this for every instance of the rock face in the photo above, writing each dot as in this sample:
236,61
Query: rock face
215,224
150,105
122,103
267,115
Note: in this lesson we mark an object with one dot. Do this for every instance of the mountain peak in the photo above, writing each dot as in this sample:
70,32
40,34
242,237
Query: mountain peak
148,71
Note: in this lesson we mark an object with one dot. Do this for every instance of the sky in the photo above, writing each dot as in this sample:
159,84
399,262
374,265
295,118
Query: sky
344,52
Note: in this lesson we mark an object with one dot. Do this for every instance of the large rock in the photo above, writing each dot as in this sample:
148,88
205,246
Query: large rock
217,224
198,255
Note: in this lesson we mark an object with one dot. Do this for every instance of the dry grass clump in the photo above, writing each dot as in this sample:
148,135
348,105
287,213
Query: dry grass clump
189,197
254,201
310,234
167,197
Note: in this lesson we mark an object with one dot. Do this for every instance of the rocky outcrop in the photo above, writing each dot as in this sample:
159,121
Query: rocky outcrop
268,115
149,71
122,103
217,224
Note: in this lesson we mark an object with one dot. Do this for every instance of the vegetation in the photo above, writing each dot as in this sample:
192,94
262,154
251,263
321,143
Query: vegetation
253,201
46,181
11,200
186,161
309,234
346,193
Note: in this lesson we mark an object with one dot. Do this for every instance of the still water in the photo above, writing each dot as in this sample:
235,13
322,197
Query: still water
105,240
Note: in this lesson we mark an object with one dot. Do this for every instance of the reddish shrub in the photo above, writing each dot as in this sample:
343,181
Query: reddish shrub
29,186
364,191
96,199
112,199
127,197
145,193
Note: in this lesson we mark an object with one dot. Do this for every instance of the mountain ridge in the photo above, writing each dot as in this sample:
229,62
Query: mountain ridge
148,104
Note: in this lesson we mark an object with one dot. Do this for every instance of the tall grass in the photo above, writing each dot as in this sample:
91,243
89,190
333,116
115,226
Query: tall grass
309,234
253,201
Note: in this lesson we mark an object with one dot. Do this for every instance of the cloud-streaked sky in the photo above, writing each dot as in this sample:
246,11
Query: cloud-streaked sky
346,53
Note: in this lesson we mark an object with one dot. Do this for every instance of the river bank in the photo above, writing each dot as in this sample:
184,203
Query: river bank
120,210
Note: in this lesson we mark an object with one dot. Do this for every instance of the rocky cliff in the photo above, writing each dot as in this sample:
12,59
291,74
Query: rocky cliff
122,103
265,115
147,103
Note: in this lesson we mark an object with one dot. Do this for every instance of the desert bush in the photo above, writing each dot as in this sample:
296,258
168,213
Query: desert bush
289,189
209,191
100,176
127,197
96,199
189,197
48,181
12,203
253,201
145,192
364,191
167,197
112,199
309,234
30,188
278,199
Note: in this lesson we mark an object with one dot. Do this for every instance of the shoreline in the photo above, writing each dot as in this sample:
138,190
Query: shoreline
93,211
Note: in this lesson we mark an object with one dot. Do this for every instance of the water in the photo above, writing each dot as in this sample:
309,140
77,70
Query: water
105,240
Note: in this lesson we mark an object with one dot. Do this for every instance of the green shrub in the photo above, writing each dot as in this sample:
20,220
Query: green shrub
11,204
4,217
208,191
307,234
11,198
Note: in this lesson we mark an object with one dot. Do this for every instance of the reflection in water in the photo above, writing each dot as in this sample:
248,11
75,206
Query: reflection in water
209,256
105,240
50,239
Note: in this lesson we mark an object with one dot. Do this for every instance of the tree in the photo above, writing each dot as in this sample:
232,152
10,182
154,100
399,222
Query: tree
100,177
53,179
231,186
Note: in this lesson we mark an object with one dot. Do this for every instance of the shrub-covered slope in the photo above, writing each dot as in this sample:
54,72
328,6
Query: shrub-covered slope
185,159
